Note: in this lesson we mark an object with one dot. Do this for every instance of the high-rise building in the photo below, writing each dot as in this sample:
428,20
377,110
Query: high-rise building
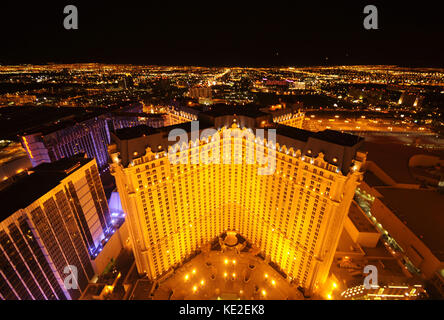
177,115
69,137
294,215
200,92
55,217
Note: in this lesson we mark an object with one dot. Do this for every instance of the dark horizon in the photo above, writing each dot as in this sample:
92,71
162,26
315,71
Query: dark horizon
308,34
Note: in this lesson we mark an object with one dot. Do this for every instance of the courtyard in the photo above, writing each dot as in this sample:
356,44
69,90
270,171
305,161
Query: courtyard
226,275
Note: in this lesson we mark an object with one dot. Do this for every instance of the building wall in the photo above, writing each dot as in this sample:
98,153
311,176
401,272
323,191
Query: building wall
38,242
364,239
26,272
295,216
110,251
90,137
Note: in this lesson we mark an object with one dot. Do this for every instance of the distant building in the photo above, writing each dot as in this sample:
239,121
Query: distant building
290,116
53,218
177,115
15,99
409,99
200,92
121,120
67,138
297,85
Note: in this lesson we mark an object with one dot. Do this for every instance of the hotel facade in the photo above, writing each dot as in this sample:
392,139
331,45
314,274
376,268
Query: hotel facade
52,143
294,214
59,220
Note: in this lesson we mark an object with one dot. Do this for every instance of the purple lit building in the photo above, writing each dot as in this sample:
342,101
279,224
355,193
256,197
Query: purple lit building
70,136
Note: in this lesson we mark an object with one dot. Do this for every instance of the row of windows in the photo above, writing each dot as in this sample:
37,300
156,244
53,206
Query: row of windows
185,205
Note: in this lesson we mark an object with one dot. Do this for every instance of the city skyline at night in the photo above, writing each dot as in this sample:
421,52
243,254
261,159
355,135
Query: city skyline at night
251,152
329,204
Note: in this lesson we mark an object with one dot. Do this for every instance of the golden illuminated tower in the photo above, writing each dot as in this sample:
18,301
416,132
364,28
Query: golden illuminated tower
214,183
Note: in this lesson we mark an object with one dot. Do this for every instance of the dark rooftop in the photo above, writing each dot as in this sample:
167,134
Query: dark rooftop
372,180
143,130
135,132
336,137
251,111
137,114
394,159
70,121
31,187
423,213
292,132
20,120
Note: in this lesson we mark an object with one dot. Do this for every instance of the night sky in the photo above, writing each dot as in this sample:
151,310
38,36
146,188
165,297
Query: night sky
209,33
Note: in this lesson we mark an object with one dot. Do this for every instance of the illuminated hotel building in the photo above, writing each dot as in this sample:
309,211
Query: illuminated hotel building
53,218
289,116
68,138
181,115
295,215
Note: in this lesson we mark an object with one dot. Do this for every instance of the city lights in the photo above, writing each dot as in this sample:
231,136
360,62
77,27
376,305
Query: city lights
191,182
